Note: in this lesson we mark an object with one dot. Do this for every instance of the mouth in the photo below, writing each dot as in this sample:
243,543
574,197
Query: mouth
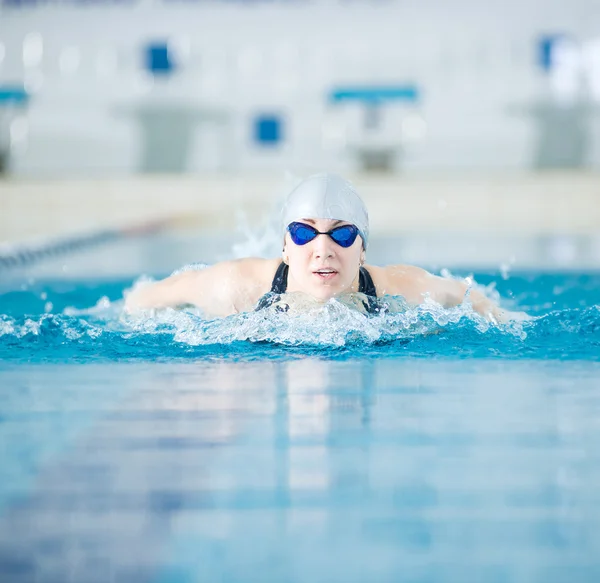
325,273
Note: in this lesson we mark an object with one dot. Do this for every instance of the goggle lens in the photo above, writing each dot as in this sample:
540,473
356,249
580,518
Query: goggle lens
302,234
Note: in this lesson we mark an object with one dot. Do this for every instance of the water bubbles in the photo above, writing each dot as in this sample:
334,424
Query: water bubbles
262,239
335,324
73,333
103,303
188,267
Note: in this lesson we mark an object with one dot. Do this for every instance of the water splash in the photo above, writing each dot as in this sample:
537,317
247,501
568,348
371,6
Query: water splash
264,239
565,325
106,332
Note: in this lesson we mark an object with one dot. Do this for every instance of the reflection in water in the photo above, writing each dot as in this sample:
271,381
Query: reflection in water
305,469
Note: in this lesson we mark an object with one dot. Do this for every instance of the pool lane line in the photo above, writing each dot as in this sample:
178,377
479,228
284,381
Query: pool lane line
26,254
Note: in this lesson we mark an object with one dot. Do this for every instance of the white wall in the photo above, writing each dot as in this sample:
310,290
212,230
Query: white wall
472,59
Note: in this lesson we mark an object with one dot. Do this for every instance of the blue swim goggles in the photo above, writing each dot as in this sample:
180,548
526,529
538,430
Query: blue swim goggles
344,236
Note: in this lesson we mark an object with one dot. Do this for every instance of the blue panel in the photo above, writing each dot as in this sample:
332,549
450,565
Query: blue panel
158,59
268,129
375,94
546,46
13,95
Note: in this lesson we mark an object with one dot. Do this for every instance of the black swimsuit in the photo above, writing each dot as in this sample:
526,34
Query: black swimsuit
279,286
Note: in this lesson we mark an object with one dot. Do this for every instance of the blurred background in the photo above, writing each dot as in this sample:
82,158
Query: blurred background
452,117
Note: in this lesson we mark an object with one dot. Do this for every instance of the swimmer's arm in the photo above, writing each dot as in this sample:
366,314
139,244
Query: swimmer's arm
218,290
171,292
451,292
416,284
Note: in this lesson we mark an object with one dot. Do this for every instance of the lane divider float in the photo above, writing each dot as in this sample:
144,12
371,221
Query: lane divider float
13,256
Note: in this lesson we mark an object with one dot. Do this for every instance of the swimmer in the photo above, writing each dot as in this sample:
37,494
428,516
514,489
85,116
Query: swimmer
325,229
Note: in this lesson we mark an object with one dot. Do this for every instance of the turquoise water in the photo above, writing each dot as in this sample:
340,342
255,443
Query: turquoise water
425,446
65,320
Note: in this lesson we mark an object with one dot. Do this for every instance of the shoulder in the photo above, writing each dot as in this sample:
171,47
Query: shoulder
237,270
220,290
244,281
393,275
254,267
409,281
249,271
228,286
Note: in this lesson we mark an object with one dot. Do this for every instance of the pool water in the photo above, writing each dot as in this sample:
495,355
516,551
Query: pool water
83,320
423,446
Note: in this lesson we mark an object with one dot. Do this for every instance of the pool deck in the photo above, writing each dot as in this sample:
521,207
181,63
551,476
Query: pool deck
544,218
500,204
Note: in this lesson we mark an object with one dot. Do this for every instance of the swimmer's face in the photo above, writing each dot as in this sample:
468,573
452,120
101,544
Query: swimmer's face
321,267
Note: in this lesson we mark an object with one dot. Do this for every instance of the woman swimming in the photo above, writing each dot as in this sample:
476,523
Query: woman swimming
326,232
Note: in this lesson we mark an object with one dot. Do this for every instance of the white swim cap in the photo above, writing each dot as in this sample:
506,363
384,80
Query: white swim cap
326,196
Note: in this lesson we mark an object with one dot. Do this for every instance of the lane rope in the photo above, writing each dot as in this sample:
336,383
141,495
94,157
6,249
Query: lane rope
13,256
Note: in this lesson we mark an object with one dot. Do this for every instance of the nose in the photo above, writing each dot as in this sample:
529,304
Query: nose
323,247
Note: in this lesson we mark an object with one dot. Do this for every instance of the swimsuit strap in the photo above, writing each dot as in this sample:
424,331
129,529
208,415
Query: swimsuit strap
279,284
365,281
